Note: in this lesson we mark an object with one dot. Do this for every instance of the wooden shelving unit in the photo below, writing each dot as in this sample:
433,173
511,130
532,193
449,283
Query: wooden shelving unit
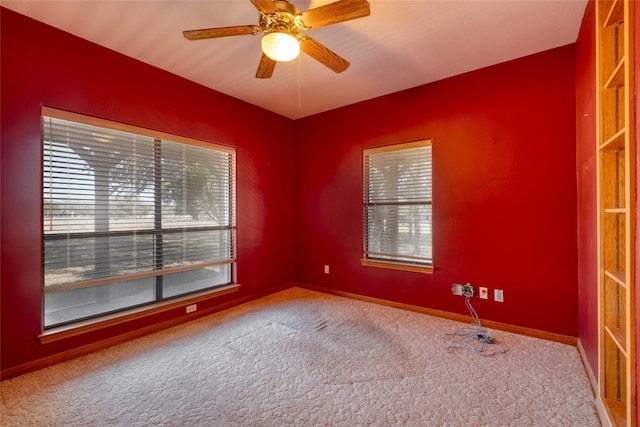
616,211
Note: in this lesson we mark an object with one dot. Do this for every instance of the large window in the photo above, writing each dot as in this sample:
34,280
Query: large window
130,217
397,207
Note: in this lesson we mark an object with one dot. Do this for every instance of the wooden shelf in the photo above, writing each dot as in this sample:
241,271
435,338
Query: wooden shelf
617,141
616,113
616,13
616,210
617,77
618,336
617,411
619,277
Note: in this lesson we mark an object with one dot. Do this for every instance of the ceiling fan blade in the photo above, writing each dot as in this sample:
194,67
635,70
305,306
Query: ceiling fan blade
264,6
332,13
210,33
324,55
265,68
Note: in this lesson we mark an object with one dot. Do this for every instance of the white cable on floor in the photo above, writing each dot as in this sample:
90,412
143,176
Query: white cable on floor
474,338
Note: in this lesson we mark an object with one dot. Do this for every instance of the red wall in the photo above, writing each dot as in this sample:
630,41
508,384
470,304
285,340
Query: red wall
44,66
504,191
587,189
504,180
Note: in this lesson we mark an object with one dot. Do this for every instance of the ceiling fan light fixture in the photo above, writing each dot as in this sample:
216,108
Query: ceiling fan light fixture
280,46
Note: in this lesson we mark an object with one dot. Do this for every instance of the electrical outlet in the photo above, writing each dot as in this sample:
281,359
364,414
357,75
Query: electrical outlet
498,295
483,293
467,290
456,289
191,308
326,269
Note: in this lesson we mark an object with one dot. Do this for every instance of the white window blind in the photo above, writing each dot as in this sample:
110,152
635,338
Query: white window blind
122,211
398,203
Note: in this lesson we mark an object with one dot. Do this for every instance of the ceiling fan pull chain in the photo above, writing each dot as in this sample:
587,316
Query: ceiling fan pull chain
299,83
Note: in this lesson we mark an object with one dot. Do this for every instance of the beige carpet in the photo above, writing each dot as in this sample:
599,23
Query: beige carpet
301,358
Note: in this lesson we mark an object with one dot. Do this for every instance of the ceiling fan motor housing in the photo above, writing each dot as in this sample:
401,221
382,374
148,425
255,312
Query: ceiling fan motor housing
285,19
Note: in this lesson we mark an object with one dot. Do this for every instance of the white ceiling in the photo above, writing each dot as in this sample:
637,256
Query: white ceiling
402,44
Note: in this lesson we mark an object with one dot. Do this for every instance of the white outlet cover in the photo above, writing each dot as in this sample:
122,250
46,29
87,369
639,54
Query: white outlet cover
498,295
483,293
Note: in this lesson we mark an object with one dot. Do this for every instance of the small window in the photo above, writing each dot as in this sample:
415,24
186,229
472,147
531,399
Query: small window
397,207
130,217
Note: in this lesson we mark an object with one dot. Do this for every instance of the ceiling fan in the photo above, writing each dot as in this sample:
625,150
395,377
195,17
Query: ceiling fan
283,26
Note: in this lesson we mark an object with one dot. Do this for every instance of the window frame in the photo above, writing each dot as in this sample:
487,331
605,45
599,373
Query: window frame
426,268
159,303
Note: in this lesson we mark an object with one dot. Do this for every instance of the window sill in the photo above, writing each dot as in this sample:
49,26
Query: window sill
397,266
87,326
